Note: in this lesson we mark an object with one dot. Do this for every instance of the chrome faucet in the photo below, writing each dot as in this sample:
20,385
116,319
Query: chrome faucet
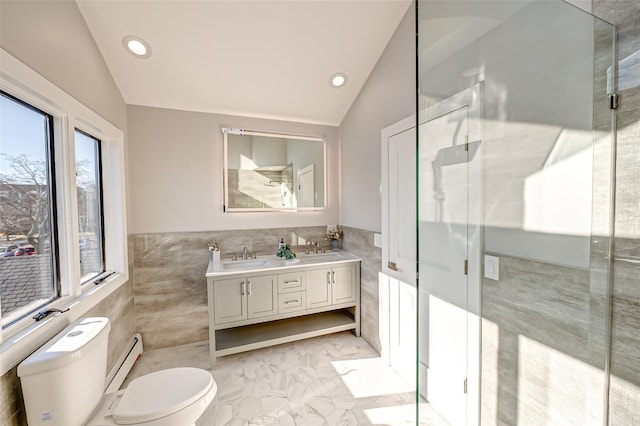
245,253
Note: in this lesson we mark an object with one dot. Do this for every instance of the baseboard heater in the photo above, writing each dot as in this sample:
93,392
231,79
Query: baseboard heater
125,363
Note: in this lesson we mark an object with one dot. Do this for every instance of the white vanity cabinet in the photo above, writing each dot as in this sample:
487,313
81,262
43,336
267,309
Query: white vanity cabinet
331,286
237,299
279,304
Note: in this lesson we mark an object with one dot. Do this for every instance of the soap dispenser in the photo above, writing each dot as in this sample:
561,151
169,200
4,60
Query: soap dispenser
282,244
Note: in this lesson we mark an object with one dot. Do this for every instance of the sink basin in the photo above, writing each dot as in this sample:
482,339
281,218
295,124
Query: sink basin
320,257
244,264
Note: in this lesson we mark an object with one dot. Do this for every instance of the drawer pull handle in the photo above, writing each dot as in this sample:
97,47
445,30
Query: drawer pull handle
244,288
249,282
333,277
292,282
329,278
291,301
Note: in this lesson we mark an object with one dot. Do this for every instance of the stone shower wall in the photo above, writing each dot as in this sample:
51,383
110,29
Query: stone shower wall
624,393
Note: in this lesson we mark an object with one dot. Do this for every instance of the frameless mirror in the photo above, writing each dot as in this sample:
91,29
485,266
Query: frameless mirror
273,172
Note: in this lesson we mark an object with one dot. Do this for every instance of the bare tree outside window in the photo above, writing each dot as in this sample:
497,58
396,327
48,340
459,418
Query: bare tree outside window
24,200
27,261
89,194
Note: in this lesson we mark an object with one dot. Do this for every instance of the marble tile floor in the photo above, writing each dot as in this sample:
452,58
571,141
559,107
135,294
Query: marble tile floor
329,380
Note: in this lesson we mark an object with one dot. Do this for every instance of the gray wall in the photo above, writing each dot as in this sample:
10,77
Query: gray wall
176,172
387,97
52,38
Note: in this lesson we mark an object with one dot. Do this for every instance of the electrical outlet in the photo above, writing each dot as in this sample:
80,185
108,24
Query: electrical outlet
377,240
492,267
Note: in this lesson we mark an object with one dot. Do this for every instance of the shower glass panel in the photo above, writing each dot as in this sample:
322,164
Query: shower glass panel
515,144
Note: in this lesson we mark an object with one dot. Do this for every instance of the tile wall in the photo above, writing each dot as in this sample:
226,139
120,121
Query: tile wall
170,285
624,396
360,243
536,345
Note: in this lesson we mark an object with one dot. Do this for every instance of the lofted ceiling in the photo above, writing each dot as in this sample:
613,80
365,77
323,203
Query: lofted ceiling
265,58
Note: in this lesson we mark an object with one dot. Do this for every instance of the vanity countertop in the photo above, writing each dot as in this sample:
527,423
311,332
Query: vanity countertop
228,267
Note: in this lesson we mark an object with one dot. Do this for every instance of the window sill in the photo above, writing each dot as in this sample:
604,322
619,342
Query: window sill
21,344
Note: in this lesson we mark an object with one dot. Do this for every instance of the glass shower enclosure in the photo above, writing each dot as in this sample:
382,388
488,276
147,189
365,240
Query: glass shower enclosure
514,181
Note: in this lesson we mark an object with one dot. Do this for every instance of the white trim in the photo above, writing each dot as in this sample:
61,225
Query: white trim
125,363
27,85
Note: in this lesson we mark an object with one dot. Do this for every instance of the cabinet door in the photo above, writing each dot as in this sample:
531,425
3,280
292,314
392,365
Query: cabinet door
261,296
229,300
343,284
318,288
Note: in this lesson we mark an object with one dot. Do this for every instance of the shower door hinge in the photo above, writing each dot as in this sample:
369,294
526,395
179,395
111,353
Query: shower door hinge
613,101
466,267
465,385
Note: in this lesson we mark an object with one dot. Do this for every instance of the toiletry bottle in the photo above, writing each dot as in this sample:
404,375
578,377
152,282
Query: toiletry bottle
282,244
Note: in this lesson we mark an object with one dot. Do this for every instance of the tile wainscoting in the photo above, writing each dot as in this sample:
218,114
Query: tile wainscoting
360,243
169,274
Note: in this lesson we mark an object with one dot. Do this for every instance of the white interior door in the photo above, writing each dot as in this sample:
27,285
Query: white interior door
399,245
306,187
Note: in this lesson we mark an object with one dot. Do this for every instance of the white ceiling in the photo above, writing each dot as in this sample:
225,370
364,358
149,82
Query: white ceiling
266,58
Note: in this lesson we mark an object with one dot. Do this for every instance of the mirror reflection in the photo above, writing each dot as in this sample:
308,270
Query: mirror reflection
268,171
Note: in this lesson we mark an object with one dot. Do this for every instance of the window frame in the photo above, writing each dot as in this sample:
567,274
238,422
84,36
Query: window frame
100,184
26,85
34,306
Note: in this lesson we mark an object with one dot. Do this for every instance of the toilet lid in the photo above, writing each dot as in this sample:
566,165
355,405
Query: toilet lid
161,393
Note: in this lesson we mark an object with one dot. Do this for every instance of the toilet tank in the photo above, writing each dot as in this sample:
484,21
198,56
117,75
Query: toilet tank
63,381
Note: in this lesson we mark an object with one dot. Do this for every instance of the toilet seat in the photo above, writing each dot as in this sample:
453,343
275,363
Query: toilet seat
161,394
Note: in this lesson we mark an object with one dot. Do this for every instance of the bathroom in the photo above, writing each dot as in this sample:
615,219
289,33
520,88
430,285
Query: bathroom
174,197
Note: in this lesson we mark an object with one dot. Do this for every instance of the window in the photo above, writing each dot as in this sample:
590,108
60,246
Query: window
89,194
28,272
72,224
73,220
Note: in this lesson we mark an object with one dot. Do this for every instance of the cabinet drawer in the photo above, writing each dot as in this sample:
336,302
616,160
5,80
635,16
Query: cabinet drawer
291,282
291,302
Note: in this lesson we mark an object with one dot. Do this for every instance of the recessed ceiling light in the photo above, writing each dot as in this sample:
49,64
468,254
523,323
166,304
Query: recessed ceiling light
338,80
136,46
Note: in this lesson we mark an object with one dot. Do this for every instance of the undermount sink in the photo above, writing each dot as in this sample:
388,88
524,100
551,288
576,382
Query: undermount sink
320,257
244,264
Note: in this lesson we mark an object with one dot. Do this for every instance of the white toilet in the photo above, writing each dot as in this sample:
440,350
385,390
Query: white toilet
63,384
